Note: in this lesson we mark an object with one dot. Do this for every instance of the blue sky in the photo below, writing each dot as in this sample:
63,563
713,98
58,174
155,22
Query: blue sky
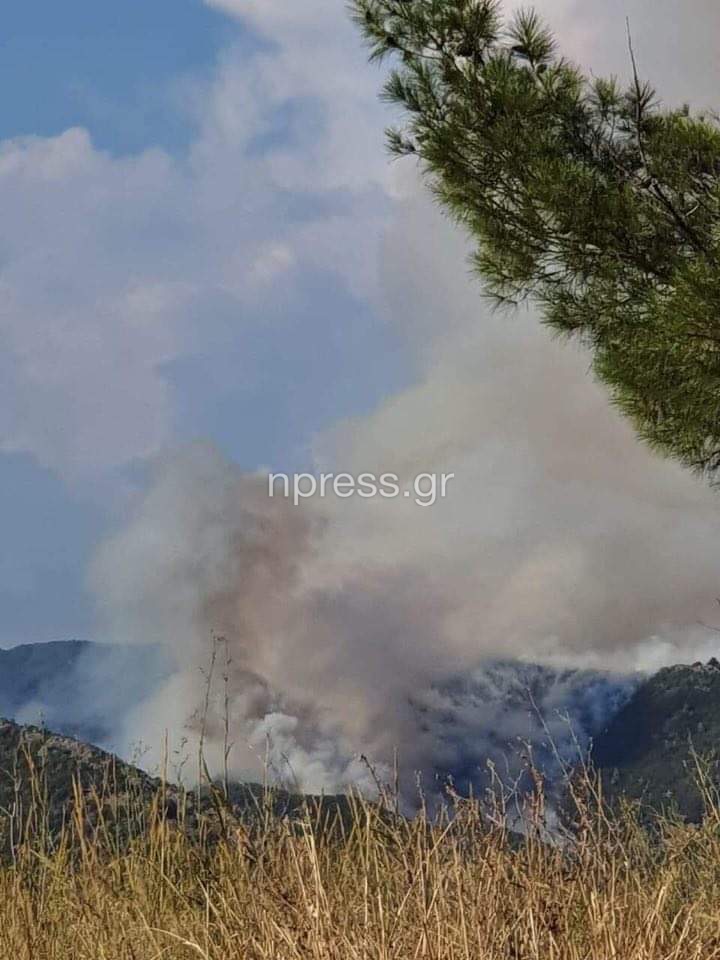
114,68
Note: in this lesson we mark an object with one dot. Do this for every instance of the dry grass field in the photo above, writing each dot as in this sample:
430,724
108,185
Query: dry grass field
369,886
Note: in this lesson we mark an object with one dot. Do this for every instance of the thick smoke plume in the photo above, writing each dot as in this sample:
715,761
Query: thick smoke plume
365,626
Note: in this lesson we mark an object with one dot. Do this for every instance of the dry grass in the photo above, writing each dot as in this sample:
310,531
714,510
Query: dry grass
373,886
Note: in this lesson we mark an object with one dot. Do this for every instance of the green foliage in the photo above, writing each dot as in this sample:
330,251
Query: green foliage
656,746
585,197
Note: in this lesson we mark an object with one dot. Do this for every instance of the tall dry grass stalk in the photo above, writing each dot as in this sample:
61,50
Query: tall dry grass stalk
126,883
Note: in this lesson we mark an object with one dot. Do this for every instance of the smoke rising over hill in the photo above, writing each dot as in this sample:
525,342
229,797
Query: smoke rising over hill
563,541
361,626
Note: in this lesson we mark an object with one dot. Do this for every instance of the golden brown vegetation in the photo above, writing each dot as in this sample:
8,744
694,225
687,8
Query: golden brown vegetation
369,885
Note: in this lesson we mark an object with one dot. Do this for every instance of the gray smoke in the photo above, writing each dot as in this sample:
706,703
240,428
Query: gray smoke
676,42
365,626
351,623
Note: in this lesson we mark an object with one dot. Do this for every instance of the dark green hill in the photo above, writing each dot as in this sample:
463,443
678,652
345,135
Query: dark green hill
646,752
84,690
39,773
43,776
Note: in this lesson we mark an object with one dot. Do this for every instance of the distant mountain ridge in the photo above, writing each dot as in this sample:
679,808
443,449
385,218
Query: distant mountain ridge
83,689
75,686
644,731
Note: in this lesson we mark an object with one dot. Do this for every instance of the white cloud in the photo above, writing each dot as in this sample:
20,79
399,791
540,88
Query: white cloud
86,318
341,142
283,17
110,265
